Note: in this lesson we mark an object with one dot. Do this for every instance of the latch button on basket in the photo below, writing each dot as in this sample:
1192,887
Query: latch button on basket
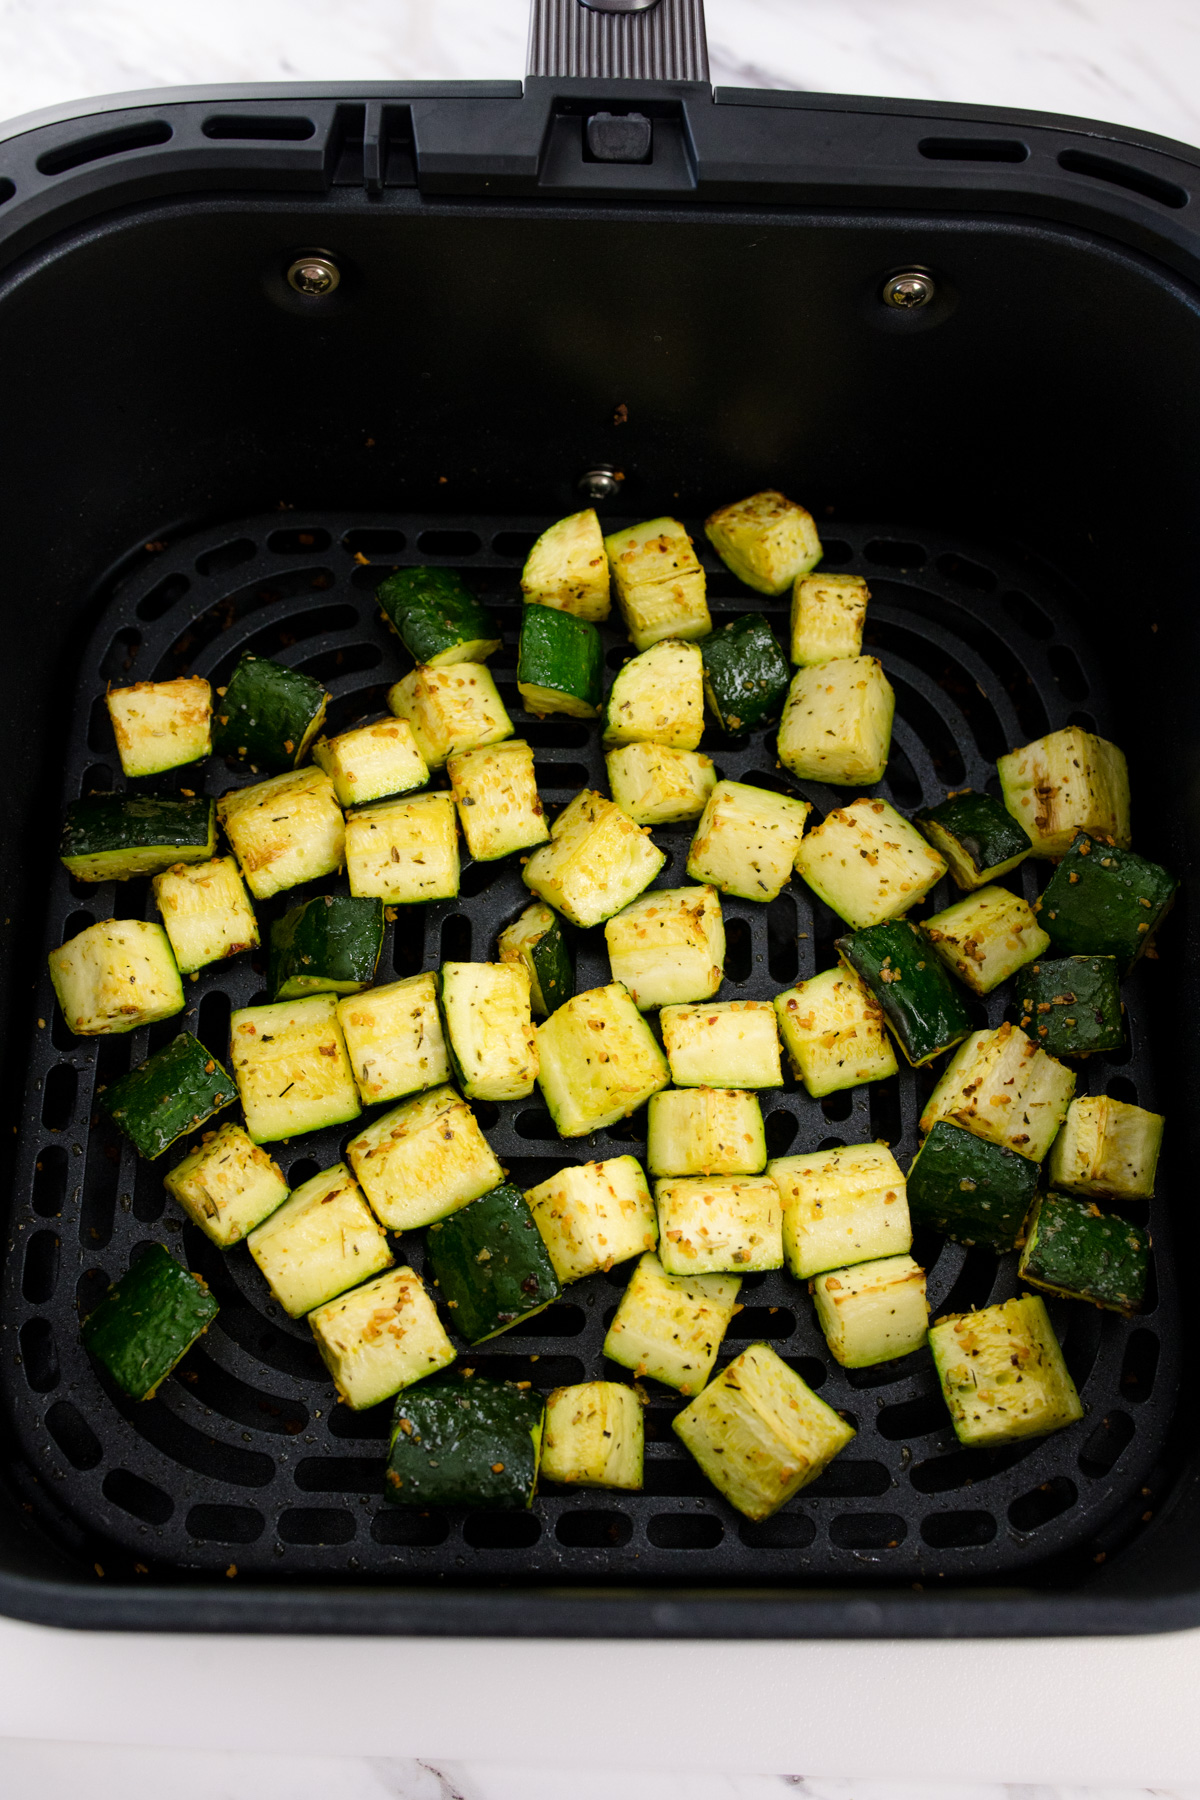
620,137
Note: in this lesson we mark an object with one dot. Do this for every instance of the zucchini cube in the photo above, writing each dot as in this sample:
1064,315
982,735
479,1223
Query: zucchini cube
978,837
828,615
291,1067
1075,1250
491,1264
594,1436
706,1131
372,762
719,1225
833,1031
394,1039
873,1312
656,785
1001,1086
659,582
462,1441
747,840
726,1044
329,945
1073,1006
404,851
594,1215
560,663
658,697
986,937
450,708
922,1006
671,1326
171,1093
1107,1147
423,1160
837,722
161,725
1105,901
206,912
227,1186
867,863
975,1192
535,941
1002,1373
767,540
437,618
268,715
599,1061
380,1337
147,1321
320,1242
1068,782
760,1433
489,1030
115,976
285,831
596,862
841,1206
568,568
746,674
114,837
668,946
495,790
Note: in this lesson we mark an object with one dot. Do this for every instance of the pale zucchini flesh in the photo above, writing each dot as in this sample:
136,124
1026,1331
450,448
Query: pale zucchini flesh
499,807
719,1225
596,862
828,614
423,1160
726,1044
659,583
656,785
381,1338
594,1215
568,568
986,937
206,912
1065,783
1002,1373
837,722
841,1206
658,698
489,1029
598,1061
372,762
114,976
321,1241
394,1039
404,851
873,1312
767,540
747,840
868,863
290,1064
671,1327
1107,1148
454,706
1001,1086
285,830
594,1436
668,946
706,1131
161,725
833,1031
228,1186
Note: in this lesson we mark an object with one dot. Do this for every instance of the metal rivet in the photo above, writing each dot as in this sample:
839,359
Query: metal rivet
314,275
909,291
600,484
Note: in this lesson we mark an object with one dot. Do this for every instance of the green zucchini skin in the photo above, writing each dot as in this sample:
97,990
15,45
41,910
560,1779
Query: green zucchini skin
553,970
1075,1250
436,617
746,674
1072,1006
329,945
975,1192
560,665
976,834
1105,901
919,999
147,1321
464,1441
268,715
171,1093
112,837
491,1264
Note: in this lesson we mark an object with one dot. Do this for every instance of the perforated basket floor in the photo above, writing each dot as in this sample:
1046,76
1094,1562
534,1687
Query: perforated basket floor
244,1458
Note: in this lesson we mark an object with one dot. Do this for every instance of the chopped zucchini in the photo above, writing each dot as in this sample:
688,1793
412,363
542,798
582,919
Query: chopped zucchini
115,976
329,945
671,1326
599,1061
828,614
594,1215
285,831
658,697
1075,1250
1068,782
1001,1086
719,1225
978,837
760,1433
923,1008
394,1039
147,1321
1002,1373
668,946
837,722
747,840
560,664
1105,901
594,1436
841,1206
975,1192
656,785
206,912
320,1242
268,715
596,862
171,1093
1107,1147
462,1441
872,1312
727,1044
746,674
161,725
437,618
372,762
766,540
568,568
867,863
986,937
450,708
113,837
535,940
706,1131
380,1337
423,1160
489,1031
833,1031
659,582
495,790
291,1068
1073,1006
490,1264
227,1186
404,851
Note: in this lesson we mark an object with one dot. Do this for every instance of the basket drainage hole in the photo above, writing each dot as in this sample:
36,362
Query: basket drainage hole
1104,1447
967,574
50,1182
912,1418
516,544
160,600
1140,1365
456,938
781,1128
39,1277
868,1531
958,1530
373,540
895,553
762,1322
141,1498
685,1531
39,1355
225,556
502,1531
73,1435
1042,1504
316,1525
216,1524
298,541
593,1530
786,1531
738,954
58,1100
410,1529
449,543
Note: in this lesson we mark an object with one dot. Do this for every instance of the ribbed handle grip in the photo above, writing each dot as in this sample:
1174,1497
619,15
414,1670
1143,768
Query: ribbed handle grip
664,41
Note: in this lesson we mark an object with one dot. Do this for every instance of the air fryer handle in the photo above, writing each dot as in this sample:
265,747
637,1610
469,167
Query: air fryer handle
632,40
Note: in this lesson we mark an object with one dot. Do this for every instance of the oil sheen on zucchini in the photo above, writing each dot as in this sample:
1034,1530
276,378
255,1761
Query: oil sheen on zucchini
147,1321
113,837
268,715
171,1093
